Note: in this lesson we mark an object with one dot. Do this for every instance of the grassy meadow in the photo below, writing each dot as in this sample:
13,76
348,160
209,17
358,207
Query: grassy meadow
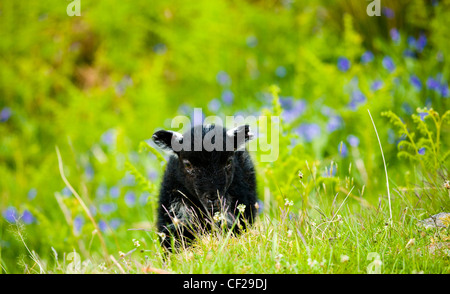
363,153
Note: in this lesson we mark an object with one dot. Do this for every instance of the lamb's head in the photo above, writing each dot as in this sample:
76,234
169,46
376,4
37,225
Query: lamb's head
206,157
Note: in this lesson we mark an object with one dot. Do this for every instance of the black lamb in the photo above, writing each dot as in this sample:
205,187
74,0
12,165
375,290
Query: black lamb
208,180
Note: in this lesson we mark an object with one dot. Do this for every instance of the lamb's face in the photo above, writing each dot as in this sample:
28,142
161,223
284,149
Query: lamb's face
208,175
206,159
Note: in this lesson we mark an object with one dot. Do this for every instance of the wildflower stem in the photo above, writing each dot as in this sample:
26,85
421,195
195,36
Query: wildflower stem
83,205
385,168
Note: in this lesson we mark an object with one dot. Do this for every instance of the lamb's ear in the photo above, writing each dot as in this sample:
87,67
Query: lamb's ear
240,135
167,139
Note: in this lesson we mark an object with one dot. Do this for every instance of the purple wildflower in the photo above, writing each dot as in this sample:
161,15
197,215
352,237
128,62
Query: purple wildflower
252,41
103,226
421,151
160,48
353,140
388,63
66,191
223,78
32,194
280,71
27,217
388,12
109,137
115,223
343,64
376,85
107,208
5,114
395,35
367,57
214,105
308,131
423,115
227,96
293,108
114,192
421,42
415,81
343,150
130,199
334,123
11,214
78,224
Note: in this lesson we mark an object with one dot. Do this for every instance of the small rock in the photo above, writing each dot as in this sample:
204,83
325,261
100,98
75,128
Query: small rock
435,221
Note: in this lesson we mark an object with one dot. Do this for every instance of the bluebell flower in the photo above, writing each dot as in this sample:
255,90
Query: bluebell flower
32,194
330,172
293,108
78,223
407,108
388,63
66,191
115,223
11,214
444,91
334,123
367,57
227,96
89,172
129,180
251,41
152,174
223,78
357,98
421,151
5,114
412,42
109,137
433,84
308,131
130,198
260,206
107,208
343,64
114,192
27,217
415,81
421,42
343,150
286,102
409,53
214,105
395,35
376,85
353,140
144,198
391,136
280,71
423,115
102,225
101,191
388,12
160,48
93,209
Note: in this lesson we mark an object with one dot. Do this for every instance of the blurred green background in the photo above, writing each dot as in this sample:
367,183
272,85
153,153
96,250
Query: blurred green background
99,84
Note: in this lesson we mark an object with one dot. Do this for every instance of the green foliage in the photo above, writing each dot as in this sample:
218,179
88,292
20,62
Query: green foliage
98,86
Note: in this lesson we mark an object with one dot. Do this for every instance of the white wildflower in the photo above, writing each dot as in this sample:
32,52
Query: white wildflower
344,258
241,208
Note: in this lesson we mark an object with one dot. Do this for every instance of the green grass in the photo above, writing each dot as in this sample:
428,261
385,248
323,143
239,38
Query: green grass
80,97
